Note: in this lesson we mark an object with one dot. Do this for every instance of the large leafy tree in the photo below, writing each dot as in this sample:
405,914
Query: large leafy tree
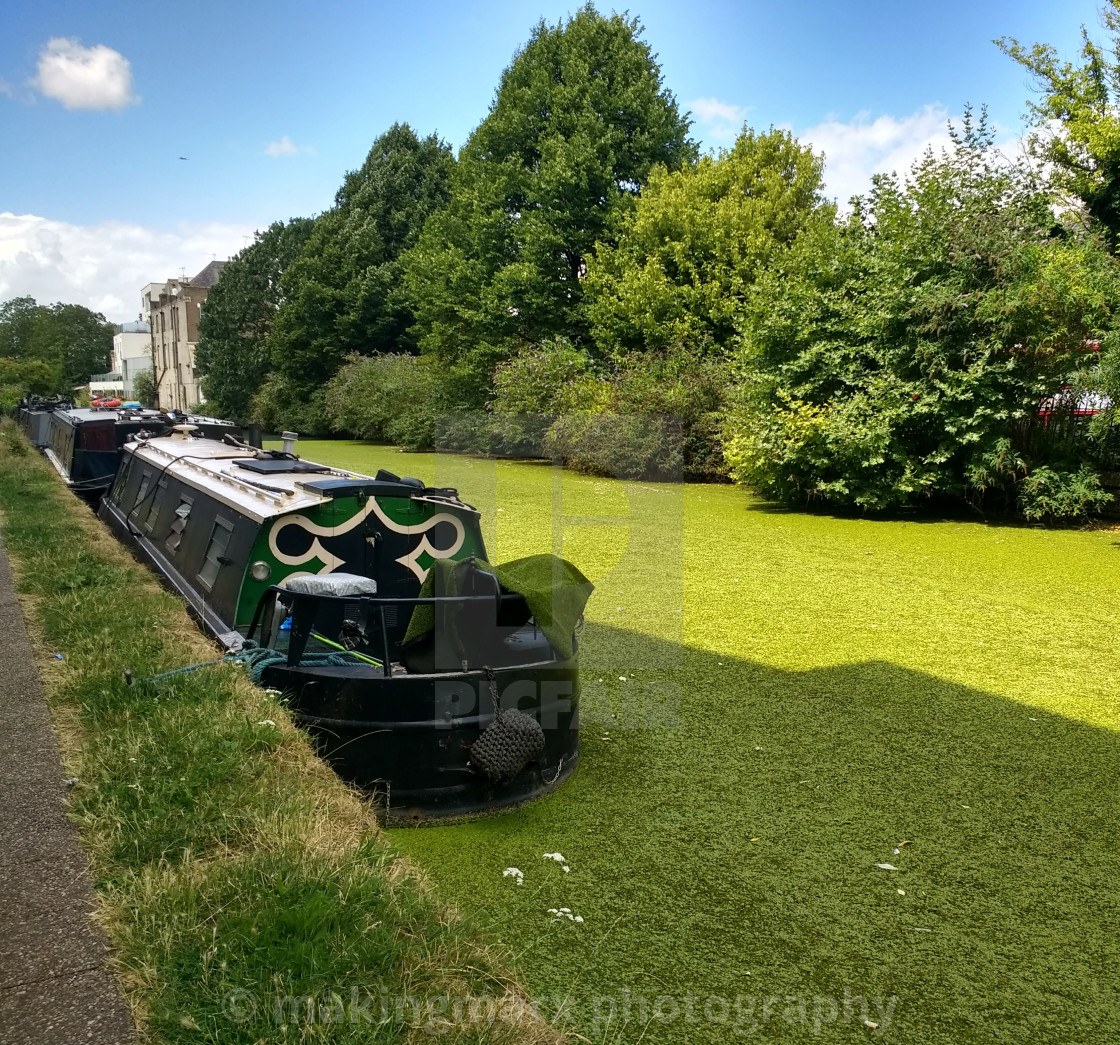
903,356
18,319
68,342
698,239
1077,117
579,120
233,353
343,294
79,340
1077,131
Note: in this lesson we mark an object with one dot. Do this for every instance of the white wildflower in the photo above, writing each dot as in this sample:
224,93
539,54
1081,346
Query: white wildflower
560,913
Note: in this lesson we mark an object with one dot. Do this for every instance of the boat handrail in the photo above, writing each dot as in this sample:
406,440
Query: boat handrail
273,495
379,602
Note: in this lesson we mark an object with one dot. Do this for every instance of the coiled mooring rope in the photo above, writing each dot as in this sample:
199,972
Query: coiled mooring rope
255,659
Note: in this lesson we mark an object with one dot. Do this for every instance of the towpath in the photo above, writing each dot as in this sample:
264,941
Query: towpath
55,984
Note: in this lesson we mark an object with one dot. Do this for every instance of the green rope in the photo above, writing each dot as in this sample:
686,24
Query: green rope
255,659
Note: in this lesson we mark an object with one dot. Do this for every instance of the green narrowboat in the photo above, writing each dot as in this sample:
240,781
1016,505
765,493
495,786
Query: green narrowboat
441,685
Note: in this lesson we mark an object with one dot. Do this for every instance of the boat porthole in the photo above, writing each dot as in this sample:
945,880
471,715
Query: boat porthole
260,571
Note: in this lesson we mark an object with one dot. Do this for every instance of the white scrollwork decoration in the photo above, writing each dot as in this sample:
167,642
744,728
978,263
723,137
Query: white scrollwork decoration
332,562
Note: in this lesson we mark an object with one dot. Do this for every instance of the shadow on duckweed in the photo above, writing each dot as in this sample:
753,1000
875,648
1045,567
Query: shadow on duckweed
725,831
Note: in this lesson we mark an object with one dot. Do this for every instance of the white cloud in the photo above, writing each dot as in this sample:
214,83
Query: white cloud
718,122
104,266
863,146
284,147
854,149
84,77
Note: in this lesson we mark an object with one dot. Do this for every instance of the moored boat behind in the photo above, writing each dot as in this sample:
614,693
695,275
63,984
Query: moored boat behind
35,416
84,443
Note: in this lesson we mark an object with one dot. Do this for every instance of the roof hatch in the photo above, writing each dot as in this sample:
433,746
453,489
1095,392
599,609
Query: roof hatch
271,466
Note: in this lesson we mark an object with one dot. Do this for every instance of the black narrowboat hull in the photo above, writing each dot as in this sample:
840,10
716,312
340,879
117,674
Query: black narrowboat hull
405,739
150,553
89,473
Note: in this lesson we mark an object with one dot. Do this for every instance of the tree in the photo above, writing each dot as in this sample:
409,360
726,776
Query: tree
343,295
79,340
1078,119
697,241
18,317
70,340
902,356
144,388
19,378
1077,130
233,351
579,120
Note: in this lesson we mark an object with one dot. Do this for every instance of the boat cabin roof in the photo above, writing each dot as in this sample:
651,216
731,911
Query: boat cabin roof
81,414
261,486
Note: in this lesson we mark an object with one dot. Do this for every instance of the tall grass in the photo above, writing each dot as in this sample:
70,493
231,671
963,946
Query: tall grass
247,893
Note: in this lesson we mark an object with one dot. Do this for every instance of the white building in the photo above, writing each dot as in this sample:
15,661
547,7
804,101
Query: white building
131,354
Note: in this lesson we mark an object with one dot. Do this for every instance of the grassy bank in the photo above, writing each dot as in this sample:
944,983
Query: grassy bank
248,894
776,703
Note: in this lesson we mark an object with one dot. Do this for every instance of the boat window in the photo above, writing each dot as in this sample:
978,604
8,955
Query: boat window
215,552
157,500
178,525
121,480
145,483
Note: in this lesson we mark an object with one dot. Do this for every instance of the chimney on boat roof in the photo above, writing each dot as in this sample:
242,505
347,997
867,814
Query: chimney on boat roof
289,441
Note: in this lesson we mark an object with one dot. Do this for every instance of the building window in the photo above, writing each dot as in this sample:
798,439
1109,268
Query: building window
215,552
178,524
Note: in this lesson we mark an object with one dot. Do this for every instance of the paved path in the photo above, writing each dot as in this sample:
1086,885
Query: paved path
55,985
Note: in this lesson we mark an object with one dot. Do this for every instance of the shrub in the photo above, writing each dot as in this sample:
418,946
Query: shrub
882,359
535,386
468,430
10,395
626,446
395,398
280,405
658,417
1053,494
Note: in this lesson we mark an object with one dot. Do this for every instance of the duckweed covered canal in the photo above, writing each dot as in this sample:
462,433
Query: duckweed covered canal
835,772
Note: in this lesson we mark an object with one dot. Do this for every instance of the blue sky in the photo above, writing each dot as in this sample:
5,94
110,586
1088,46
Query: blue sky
272,103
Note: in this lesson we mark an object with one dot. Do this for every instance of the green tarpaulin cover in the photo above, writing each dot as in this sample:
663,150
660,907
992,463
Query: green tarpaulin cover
555,591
